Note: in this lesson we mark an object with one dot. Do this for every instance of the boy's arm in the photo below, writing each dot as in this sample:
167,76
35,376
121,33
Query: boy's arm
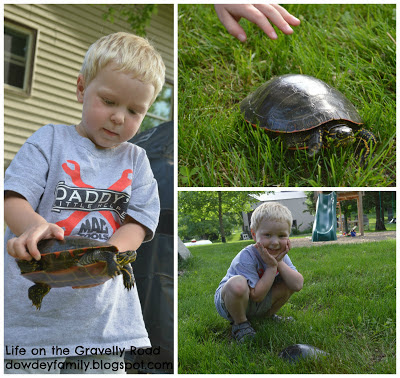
294,280
129,236
263,285
28,226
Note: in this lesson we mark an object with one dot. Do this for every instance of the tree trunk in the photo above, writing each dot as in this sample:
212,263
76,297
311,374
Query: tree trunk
345,225
380,219
221,225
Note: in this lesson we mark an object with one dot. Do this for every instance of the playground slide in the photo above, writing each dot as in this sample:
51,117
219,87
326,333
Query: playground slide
324,228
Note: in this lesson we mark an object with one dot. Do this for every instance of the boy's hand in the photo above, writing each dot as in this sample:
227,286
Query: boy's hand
268,258
24,247
259,14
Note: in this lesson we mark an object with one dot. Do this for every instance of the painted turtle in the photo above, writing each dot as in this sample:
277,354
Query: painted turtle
77,262
307,113
294,352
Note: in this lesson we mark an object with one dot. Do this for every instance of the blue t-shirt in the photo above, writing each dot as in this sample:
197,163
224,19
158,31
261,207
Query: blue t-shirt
88,191
249,264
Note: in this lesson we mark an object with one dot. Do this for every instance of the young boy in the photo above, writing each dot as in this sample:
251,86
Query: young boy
261,277
87,180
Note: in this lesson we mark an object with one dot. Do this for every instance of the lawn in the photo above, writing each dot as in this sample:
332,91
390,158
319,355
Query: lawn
349,46
346,308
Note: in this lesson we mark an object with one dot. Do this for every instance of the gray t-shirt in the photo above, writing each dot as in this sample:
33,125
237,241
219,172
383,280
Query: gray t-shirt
249,264
88,191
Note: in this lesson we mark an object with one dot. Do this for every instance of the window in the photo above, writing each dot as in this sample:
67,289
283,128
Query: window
161,110
19,48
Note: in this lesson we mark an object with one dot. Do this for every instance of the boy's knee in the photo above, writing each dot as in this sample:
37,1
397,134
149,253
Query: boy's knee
281,291
236,286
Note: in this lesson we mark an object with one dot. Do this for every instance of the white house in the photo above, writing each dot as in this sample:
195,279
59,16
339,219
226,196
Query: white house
293,200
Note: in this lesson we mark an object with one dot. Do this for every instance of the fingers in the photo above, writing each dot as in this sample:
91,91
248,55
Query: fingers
16,248
283,253
267,257
259,14
24,247
229,17
259,247
290,19
262,251
278,16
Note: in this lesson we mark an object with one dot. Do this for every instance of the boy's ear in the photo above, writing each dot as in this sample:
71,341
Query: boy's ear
80,88
253,234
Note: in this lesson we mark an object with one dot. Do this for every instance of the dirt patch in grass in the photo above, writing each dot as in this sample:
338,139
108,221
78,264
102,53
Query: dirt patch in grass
368,237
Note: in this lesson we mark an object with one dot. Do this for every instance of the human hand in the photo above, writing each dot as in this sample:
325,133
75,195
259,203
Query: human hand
24,247
259,14
272,258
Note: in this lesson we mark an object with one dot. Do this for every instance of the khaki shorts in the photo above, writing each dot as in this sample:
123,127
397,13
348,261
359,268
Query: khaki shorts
254,309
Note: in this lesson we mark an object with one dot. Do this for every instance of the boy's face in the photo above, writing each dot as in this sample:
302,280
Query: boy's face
273,235
114,106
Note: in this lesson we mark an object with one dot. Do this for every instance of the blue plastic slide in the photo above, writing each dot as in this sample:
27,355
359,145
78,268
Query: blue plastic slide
324,228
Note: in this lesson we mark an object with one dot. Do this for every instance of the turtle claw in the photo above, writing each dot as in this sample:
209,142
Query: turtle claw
129,279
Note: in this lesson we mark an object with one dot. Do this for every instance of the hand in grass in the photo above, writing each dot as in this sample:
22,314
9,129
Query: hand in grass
272,258
259,14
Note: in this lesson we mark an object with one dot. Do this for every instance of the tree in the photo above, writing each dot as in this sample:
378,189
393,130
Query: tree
311,203
379,201
198,210
137,15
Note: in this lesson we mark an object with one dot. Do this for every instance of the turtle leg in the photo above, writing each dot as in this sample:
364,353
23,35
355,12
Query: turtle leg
127,274
37,292
366,141
124,259
29,266
110,258
315,142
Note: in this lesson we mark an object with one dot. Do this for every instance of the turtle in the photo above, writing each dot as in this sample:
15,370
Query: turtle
75,261
294,352
307,113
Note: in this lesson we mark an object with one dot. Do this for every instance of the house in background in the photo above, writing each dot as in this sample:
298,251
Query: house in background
294,201
44,47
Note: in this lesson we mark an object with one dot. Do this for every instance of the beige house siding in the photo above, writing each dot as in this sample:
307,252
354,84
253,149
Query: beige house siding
64,34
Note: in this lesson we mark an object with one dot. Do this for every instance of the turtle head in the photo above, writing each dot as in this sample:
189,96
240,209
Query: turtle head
126,257
341,135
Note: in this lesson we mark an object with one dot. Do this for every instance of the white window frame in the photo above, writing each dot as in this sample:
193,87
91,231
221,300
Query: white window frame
29,59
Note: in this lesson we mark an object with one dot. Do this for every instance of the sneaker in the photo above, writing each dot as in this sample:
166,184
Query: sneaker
243,332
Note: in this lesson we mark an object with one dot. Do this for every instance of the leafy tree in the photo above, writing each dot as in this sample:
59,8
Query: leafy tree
204,213
377,201
311,203
380,200
137,15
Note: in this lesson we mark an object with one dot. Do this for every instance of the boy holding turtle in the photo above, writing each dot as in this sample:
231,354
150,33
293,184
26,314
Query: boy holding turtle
86,180
261,278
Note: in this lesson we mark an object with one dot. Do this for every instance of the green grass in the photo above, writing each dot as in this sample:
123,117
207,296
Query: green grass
346,308
348,46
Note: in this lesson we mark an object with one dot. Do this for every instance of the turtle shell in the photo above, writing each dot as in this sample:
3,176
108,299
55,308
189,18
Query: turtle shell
57,266
298,351
297,103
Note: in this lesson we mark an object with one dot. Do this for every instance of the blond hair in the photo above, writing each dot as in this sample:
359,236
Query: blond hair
270,211
128,53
